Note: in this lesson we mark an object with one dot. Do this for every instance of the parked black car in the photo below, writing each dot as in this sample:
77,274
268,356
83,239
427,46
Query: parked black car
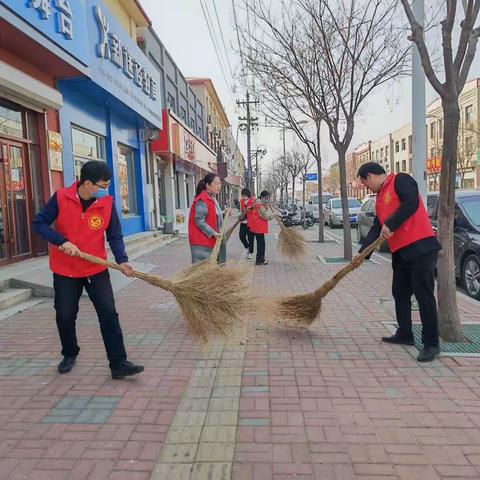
466,233
366,217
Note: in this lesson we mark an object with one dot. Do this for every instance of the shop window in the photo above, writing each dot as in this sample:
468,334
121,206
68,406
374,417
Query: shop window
171,102
11,121
468,115
86,146
127,177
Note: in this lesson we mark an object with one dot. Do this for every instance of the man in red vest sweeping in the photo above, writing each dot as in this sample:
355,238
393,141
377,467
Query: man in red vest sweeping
83,214
401,219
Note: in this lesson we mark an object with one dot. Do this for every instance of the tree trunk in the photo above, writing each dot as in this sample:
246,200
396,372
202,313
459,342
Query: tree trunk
293,190
347,232
286,193
449,319
321,223
321,220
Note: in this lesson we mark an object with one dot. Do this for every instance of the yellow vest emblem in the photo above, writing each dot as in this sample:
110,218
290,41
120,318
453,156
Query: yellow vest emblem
95,222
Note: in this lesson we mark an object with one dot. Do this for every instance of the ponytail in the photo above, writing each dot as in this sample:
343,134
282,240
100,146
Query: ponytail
206,180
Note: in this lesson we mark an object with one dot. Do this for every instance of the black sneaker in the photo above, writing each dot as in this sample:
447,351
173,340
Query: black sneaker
428,354
262,262
398,340
66,364
126,369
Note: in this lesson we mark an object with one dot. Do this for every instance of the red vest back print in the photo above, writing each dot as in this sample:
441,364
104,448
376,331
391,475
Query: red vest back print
86,230
256,223
195,236
415,228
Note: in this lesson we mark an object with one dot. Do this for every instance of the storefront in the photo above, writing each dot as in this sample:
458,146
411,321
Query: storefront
37,45
109,115
182,159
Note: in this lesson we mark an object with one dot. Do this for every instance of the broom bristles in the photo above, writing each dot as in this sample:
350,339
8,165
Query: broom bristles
291,244
300,309
213,299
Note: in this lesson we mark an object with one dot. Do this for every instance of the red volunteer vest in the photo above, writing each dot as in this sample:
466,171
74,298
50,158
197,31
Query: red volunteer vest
415,228
195,236
86,230
244,205
256,224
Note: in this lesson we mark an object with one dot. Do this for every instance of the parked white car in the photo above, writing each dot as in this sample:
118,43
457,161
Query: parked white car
313,207
333,215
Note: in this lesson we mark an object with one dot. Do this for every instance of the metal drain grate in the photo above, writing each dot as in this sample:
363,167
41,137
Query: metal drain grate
340,260
471,332
330,260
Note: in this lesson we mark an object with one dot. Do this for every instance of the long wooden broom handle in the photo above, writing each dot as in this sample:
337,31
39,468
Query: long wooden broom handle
218,242
106,263
235,225
351,266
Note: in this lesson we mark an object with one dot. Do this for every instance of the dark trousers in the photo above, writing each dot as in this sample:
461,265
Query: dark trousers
417,277
260,247
246,237
99,288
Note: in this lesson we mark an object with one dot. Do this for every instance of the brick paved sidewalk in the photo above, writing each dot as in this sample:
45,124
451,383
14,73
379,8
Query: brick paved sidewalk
331,402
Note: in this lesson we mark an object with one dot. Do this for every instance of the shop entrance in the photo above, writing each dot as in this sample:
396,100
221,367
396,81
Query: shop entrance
15,221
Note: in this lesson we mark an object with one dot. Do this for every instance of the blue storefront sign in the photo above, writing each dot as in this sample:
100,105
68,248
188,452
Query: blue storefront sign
120,67
311,177
62,21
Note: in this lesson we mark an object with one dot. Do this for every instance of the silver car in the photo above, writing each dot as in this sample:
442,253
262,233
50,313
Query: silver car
333,212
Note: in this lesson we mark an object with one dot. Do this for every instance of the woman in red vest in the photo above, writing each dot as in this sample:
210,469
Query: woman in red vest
257,219
246,236
205,220
84,214
401,219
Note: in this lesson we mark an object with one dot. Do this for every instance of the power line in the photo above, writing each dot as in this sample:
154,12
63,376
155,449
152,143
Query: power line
223,40
216,49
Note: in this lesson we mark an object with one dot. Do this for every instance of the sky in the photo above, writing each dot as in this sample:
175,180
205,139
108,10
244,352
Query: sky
182,27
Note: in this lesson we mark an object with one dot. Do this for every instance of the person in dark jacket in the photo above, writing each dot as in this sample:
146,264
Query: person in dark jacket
83,214
246,236
206,220
401,219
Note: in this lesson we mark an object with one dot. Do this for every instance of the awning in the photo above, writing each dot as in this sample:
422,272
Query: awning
184,166
234,180
27,91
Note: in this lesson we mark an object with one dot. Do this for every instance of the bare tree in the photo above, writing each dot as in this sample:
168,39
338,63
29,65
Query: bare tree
294,165
284,106
305,163
327,57
456,67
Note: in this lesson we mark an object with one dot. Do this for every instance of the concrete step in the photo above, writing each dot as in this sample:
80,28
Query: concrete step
20,307
151,244
142,241
13,296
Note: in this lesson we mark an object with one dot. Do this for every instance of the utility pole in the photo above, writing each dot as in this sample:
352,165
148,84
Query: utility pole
250,123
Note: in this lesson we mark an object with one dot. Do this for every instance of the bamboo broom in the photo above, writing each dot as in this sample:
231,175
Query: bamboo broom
291,244
302,310
214,300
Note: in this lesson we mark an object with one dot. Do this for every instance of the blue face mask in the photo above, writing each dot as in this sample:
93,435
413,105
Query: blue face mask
100,193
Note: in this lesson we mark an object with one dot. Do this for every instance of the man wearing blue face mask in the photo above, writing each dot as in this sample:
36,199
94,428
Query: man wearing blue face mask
83,214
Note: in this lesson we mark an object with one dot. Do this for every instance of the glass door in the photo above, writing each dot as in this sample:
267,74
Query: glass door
15,233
